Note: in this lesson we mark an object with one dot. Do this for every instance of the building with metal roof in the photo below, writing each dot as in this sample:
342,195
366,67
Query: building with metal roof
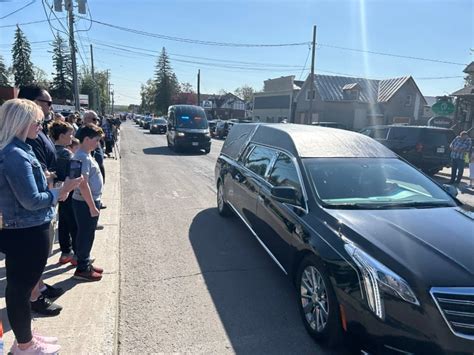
359,102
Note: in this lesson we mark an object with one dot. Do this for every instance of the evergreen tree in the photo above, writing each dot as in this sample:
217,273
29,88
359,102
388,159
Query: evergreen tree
3,73
167,85
61,86
22,66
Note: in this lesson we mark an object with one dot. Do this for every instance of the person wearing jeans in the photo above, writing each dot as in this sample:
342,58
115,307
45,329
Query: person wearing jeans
460,146
26,211
86,202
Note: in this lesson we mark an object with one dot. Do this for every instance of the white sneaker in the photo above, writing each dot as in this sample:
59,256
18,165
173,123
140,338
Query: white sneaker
41,339
36,348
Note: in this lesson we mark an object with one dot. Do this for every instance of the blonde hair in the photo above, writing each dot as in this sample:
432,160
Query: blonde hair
16,116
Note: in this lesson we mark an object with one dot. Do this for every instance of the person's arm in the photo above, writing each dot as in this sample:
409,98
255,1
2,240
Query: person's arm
87,195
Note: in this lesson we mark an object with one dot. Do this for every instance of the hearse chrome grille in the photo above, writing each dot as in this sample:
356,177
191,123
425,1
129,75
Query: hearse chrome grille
456,305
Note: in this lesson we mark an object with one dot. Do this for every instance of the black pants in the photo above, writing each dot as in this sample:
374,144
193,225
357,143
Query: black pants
67,227
26,253
86,226
109,146
457,169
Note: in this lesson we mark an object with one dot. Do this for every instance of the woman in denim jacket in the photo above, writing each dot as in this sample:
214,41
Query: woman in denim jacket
26,210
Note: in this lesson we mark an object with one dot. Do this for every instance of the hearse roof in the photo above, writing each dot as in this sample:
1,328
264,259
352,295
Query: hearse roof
305,141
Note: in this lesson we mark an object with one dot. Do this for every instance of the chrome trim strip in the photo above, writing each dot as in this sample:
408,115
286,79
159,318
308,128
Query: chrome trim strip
462,302
463,325
454,291
259,240
459,314
397,350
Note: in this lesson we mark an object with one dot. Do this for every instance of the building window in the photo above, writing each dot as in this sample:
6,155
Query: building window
409,100
310,94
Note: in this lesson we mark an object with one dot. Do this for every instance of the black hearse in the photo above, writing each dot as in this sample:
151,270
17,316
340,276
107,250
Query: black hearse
188,128
377,249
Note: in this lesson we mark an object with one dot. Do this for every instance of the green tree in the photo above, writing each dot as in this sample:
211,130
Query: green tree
22,66
41,78
167,85
147,94
245,92
95,89
61,87
3,73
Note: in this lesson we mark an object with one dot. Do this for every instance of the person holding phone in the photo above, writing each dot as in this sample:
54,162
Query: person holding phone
86,202
26,211
62,134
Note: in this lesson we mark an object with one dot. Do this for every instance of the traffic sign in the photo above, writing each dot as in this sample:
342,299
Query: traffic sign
443,108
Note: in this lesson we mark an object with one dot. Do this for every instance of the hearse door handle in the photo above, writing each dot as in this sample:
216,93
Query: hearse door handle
239,177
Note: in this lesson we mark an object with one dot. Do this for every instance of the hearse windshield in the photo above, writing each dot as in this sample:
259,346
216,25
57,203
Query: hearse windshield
373,183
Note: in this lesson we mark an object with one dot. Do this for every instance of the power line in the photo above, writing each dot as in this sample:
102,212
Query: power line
305,62
121,46
30,23
391,54
195,41
18,10
440,77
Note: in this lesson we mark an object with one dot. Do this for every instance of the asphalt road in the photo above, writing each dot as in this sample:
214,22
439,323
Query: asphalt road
192,281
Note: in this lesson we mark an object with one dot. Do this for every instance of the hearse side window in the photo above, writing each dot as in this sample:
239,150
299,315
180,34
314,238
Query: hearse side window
243,156
284,173
259,160
380,133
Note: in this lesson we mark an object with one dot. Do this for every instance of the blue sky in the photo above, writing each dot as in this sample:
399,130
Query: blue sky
438,30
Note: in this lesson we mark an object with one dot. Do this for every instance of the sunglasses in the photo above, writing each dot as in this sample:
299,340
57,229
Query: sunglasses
38,122
46,101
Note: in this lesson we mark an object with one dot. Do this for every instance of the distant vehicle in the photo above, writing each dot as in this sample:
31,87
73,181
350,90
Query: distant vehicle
212,127
427,148
223,128
146,122
188,128
329,124
158,125
376,249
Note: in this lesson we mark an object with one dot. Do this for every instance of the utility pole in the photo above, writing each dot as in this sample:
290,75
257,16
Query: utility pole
311,81
108,91
96,101
72,44
199,88
112,102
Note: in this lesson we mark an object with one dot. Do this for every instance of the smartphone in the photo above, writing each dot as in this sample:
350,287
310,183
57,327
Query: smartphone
75,169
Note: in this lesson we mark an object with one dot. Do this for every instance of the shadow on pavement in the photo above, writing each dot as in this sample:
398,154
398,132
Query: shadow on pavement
255,301
164,150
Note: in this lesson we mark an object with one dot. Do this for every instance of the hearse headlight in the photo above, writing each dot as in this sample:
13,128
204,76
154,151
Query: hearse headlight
379,279
180,134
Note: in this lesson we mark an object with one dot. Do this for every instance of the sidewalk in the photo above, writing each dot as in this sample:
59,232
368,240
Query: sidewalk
446,172
87,323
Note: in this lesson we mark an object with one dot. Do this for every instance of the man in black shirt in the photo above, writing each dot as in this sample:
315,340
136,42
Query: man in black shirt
42,146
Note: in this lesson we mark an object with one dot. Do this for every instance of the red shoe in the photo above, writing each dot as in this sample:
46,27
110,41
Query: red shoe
97,269
66,258
89,275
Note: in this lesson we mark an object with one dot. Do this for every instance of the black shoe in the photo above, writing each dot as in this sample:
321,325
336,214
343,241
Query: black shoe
45,307
99,227
52,292
103,207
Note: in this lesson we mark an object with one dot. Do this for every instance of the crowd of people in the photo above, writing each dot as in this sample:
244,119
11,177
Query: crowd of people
38,152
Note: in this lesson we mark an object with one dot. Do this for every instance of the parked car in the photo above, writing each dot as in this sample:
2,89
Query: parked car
146,122
329,124
427,148
376,249
212,127
188,128
158,125
223,128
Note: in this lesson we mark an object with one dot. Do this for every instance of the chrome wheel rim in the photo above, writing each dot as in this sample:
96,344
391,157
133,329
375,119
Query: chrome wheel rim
220,198
314,299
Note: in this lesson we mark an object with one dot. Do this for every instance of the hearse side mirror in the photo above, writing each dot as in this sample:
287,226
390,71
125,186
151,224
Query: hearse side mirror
285,194
450,189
